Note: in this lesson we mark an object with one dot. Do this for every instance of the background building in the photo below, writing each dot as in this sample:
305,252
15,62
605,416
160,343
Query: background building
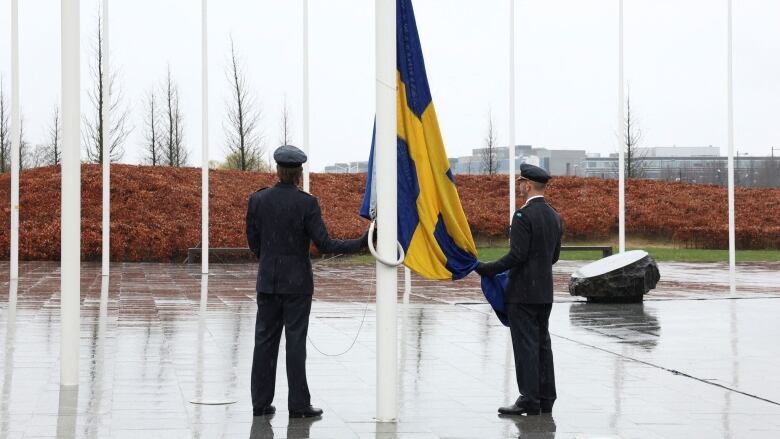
692,164
347,168
555,161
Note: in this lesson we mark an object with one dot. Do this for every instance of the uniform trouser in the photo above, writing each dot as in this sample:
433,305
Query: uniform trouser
529,325
275,311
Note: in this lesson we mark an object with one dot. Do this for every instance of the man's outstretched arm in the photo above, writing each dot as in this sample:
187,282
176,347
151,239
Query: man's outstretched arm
519,239
315,228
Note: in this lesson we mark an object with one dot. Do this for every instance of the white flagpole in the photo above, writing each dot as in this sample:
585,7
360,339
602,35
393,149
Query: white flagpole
512,142
732,213
71,194
204,210
621,138
106,116
387,205
15,140
306,182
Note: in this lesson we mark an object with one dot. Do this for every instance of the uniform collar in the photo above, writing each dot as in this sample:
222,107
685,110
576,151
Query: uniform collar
533,199
285,185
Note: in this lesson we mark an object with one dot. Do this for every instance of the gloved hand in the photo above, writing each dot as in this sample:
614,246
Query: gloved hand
480,269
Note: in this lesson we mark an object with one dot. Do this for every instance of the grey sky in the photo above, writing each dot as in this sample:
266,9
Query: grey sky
566,83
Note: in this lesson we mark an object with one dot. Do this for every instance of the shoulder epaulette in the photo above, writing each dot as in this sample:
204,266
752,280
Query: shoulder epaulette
261,189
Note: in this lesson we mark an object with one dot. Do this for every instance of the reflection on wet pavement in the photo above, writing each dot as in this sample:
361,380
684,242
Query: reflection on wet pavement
536,427
155,336
633,323
67,412
296,428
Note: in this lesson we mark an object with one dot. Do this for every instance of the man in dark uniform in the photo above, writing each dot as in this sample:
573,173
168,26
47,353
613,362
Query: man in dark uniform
281,222
535,244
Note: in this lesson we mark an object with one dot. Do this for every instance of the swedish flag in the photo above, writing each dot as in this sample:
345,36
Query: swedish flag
432,227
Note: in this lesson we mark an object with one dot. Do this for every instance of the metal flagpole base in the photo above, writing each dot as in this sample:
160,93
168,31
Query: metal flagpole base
200,401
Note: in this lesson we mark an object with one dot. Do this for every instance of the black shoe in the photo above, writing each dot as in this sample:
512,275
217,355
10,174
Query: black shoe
522,406
546,405
270,410
306,412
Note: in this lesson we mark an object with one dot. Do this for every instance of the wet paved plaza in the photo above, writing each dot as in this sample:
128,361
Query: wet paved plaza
692,361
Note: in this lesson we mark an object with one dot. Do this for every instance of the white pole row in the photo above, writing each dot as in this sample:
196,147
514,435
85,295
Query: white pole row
106,116
730,99
386,280
15,140
386,173
204,203
730,125
71,195
512,140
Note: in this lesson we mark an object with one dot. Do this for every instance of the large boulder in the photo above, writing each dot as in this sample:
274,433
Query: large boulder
621,278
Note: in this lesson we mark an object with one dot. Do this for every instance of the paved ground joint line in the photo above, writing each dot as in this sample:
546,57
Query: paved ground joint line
657,366
672,371
706,299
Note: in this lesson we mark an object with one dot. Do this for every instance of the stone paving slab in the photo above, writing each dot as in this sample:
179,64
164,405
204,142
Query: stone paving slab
694,364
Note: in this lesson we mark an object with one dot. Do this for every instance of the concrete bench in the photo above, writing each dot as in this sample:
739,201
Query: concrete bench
604,249
195,253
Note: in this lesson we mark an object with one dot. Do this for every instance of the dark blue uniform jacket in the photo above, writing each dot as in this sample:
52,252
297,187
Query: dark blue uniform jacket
281,222
535,244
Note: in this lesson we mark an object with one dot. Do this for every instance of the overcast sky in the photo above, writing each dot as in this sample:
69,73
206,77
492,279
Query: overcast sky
566,69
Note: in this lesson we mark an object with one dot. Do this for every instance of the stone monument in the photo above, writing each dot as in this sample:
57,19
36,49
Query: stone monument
621,278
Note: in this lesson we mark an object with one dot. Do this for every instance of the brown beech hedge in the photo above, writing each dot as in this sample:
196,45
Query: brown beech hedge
155,211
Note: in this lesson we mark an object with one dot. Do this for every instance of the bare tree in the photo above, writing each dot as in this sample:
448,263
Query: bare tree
31,156
38,156
152,136
54,153
632,136
49,153
488,152
284,125
243,137
26,152
174,152
5,134
93,125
